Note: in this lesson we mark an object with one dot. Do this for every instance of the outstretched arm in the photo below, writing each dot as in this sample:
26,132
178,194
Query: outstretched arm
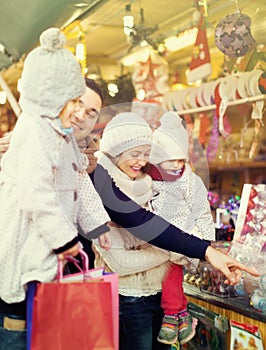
231,268
142,223
155,230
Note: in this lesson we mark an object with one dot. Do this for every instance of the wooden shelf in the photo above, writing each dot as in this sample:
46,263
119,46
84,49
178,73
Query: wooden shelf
230,177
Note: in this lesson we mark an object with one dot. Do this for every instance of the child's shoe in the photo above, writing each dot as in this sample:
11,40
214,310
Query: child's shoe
169,329
186,327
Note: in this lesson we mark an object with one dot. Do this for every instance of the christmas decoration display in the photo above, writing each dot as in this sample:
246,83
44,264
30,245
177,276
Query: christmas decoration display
241,87
150,78
223,93
232,35
200,65
192,98
243,146
257,27
200,97
248,85
208,91
250,233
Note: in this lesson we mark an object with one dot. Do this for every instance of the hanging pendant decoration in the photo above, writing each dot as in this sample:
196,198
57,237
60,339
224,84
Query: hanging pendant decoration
232,35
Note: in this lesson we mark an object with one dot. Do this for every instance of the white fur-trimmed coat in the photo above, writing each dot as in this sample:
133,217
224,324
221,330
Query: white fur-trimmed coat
43,196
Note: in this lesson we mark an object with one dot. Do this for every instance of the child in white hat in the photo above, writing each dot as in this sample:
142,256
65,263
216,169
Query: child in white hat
45,191
180,197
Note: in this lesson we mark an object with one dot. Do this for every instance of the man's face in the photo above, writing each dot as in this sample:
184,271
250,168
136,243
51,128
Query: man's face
84,118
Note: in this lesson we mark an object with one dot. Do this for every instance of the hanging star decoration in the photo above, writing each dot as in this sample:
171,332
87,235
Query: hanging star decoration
148,69
146,77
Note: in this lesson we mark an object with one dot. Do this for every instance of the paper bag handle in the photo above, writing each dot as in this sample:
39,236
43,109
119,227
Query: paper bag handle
85,265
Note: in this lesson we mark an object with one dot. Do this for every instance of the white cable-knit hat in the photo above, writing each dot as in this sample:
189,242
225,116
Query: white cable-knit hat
51,76
170,140
125,131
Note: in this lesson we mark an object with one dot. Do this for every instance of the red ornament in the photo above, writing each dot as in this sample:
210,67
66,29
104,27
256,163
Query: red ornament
248,217
251,204
262,83
253,193
245,230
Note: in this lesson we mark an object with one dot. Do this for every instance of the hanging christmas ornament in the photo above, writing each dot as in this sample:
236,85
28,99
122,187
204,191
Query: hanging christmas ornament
257,27
224,92
232,34
262,83
200,65
150,78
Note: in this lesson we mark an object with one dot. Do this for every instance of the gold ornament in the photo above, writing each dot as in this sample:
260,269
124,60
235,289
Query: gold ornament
257,28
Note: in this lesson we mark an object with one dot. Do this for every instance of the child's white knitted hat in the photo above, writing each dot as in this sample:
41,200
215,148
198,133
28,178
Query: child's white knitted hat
51,76
170,140
125,131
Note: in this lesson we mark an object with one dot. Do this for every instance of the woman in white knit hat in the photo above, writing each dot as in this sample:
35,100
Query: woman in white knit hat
181,199
44,188
124,152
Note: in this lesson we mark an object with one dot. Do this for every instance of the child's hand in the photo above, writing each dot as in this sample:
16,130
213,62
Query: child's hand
73,251
105,241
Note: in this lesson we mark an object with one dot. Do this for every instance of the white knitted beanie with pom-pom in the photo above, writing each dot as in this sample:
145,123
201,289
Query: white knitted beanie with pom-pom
51,76
125,131
170,140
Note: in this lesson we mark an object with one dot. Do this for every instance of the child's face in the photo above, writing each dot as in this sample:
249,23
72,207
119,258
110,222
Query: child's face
172,165
65,114
132,161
